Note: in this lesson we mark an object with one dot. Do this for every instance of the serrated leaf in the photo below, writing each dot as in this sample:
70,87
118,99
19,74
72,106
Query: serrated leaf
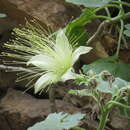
127,26
104,86
58,121
116,67
127,31
90,3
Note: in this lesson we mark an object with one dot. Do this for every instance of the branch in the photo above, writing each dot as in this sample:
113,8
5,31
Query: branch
98,32
106,23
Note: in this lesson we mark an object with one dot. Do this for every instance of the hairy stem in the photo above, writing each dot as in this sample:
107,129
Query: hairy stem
103,120
121,30
98,32
120,37
107,108
52,99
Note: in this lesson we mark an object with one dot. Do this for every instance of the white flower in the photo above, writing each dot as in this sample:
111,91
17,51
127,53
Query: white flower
56,61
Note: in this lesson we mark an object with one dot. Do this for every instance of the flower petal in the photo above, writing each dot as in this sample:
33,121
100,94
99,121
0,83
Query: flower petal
62,44
61,38
69,75
79,51
44,81
41,61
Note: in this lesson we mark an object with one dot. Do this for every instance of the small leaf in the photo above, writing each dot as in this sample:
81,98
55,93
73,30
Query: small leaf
127,26
127,33
2,15
104,86
58,121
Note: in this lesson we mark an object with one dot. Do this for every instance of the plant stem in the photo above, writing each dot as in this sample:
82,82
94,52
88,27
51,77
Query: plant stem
103,120
123,38
108,12
103,17
107,109
120,37
120,104
122,3
121,30
52,99
106,23
108,5
98,32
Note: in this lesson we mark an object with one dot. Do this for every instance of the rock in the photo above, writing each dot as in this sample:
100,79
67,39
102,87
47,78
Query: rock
56,13
96,53
14,16
18,111
118,121
7,80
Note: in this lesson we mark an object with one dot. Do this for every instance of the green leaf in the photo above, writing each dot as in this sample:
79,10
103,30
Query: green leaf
116,67
90,3
127,31
127,26
76,30
58,121
104,86
2,15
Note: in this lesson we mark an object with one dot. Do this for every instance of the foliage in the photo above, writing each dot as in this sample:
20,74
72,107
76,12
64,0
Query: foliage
59,121
77,29
127,31
117,88
112,64
90,3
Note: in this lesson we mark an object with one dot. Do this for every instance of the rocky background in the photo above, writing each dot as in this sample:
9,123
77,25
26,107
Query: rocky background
20,110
